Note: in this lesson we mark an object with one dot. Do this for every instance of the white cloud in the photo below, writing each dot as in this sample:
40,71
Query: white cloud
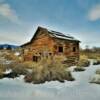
11,38
1,1
7,12
94,13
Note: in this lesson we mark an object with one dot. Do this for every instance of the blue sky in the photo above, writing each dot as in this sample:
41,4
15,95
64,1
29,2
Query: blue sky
79,18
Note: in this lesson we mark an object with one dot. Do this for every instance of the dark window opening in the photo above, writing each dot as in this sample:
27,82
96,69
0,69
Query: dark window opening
35,58
60,49
50,54
74,49
40,53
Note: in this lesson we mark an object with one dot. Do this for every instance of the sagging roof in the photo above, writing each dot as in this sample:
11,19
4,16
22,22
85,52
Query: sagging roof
53,34
61,36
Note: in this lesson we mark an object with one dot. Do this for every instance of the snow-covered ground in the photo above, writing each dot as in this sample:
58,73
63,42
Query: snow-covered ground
80,89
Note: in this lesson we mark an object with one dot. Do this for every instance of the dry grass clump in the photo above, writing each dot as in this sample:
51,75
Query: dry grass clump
67,61
45,70
90,54
17,69
96,62
29,64
26,65
2,70
98,71
96,77
83,62
83,56
11,56
48,70
59,58
94,55
20,68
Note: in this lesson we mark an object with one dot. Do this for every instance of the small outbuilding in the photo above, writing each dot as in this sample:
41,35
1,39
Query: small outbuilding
47,43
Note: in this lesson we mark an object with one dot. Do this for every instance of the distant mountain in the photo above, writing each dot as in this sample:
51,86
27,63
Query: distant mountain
8,46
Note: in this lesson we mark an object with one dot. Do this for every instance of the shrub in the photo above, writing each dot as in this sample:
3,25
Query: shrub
23,65
11,65
9,55
60,58
83,56
2,70
98,71
97,62
47,70
28,64
10,75
83,63
2,67
79,69
95,79
17,68
20,69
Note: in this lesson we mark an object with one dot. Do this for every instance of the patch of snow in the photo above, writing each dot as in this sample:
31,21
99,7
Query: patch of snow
71,68
8,71
17,53
80,89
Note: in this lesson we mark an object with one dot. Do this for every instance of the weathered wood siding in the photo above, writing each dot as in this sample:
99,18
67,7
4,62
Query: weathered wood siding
68,47
44,45
41,45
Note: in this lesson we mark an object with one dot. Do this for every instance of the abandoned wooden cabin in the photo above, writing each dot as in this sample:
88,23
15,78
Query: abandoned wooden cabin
47,43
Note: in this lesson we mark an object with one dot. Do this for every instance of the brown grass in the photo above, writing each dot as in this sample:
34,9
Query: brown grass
2,70
83,63
90,55
96,78
98,71
47,70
